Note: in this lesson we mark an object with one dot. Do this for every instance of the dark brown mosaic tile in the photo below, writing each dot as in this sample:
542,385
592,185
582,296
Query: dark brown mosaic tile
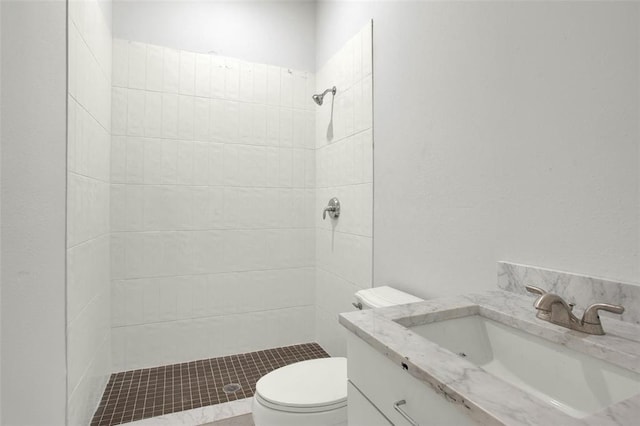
139,394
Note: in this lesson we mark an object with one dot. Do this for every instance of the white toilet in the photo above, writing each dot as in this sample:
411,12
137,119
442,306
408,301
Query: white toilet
314,392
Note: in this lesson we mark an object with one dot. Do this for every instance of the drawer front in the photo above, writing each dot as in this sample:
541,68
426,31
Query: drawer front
361,411
385,383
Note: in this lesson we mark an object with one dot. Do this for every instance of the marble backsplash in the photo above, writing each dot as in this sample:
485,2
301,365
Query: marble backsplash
578,289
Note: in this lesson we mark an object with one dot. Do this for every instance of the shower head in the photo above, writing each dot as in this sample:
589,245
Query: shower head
319,98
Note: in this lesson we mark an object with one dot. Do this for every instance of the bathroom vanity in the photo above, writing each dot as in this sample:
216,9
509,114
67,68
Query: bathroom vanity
378,387
486,359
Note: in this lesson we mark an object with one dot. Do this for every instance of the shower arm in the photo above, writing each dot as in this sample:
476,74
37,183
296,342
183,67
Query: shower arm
331,89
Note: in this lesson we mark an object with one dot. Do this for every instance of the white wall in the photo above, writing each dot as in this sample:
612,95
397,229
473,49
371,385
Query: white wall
212,201
280,33
344,159
0,217
33,106
504,131
88,166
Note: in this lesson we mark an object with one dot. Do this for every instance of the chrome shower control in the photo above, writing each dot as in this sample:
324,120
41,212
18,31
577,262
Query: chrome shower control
333,208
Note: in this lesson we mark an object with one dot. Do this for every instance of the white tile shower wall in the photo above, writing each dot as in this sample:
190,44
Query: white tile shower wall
88,168
212,204
344,169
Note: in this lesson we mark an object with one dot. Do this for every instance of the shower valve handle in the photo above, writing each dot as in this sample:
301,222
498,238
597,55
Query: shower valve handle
327,209
333,208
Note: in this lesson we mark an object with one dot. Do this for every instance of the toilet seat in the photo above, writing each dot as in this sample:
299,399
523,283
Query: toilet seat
311,386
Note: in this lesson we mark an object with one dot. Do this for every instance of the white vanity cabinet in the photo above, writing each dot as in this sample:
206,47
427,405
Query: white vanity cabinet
376,384
361,411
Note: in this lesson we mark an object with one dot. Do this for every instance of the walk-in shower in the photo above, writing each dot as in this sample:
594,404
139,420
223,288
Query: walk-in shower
319,98
177,283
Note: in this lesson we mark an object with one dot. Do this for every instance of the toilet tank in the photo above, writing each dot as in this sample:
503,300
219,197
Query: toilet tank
379,297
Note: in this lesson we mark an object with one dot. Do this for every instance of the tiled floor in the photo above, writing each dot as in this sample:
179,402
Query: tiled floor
139,394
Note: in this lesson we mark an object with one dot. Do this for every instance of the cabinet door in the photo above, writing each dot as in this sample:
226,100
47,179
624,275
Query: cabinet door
361,411
386,384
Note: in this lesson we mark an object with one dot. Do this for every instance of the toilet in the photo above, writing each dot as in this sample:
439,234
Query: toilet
314,392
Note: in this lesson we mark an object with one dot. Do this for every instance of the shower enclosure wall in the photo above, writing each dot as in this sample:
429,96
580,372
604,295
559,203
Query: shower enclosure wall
88,197
344,169
212,206
196,185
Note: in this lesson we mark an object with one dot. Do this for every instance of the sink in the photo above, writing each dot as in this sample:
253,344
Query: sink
575,383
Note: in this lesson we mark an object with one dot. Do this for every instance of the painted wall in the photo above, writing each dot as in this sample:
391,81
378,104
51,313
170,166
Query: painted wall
0,218
33,106
212,202
504,131
344,160
88,239
280,33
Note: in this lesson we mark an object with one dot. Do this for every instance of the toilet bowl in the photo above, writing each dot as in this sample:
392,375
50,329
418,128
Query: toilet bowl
310,392
314,392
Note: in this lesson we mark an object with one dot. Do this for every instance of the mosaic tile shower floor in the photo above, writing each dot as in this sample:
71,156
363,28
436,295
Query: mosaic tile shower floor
150,392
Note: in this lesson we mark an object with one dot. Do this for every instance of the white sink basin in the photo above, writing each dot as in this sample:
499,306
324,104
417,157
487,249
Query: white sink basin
573,382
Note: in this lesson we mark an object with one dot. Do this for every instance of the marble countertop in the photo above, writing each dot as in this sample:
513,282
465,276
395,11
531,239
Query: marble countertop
486,398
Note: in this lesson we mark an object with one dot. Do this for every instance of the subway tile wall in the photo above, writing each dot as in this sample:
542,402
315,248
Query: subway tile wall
212,206
88,170
344,169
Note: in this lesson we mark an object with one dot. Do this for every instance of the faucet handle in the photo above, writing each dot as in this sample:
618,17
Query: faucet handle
591,314
333,208
535,290
327,209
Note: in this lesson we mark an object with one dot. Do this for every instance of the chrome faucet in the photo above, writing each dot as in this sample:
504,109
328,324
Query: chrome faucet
333,208
554,309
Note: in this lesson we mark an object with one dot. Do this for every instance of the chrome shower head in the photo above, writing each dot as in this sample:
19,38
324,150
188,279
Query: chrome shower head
319,98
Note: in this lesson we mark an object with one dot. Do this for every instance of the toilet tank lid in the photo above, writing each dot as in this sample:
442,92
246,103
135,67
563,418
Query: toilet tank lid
379,297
